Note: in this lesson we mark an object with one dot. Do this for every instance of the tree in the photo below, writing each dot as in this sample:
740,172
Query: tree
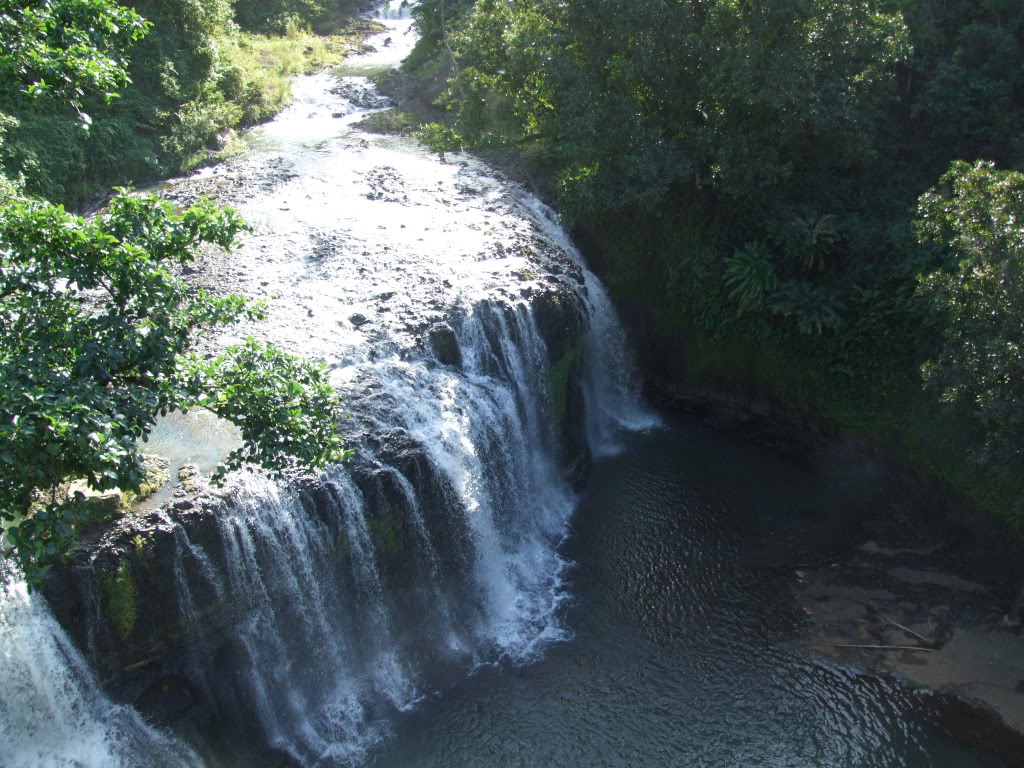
634,100
98,338
64,49
978,213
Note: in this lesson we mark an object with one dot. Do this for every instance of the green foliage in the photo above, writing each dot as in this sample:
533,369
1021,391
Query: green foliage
632,101
98,337
277,15
385,536
750,274
285,407
439,138
437,20
808,238
58,59
795,135
815,308
64,49
559,378
183,87
121,599
971,97
978,212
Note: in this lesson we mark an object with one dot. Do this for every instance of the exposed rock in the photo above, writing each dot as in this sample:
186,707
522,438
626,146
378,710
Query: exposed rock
903,610
445,345
102,504
361,95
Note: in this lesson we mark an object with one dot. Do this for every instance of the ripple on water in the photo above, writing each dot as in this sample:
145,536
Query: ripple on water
681,623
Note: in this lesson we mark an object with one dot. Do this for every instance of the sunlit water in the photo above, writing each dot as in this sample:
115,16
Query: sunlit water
662,647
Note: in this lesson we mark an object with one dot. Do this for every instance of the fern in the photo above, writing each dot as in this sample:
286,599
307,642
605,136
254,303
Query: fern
814,308
750,274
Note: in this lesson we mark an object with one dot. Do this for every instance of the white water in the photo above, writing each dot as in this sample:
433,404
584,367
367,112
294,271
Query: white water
52,713
611,383
313,585
438,549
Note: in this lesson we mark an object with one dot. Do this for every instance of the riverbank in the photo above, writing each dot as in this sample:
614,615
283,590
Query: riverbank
196,81
906,610
919,594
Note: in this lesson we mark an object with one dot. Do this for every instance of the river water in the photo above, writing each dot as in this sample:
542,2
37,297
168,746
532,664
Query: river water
682,651
647,622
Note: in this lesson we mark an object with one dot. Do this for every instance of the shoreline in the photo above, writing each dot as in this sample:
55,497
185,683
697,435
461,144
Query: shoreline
902,611
917,593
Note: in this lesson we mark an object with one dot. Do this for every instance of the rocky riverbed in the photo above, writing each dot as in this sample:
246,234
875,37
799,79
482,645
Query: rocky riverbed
922,592
906,610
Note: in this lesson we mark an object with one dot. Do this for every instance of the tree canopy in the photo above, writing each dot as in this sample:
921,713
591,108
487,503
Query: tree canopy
632,100
98,334
65,49
978,212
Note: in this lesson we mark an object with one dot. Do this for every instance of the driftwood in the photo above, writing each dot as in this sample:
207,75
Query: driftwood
876,647
922,638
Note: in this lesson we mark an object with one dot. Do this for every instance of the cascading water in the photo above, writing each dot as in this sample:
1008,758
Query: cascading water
437,549
52,712
483,576
611,383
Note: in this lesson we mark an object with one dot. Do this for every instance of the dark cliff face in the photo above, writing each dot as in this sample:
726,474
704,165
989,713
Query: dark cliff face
121,599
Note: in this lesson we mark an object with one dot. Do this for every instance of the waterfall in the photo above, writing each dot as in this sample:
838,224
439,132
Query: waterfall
52,712
435,550
611,383
332,641
311,616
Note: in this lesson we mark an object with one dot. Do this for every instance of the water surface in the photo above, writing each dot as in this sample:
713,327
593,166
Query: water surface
684,650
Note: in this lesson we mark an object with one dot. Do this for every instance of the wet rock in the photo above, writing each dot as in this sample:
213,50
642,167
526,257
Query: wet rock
361,94
386,184
167,699
445,345
101,504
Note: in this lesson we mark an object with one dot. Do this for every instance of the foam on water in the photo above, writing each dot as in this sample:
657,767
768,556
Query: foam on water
52,713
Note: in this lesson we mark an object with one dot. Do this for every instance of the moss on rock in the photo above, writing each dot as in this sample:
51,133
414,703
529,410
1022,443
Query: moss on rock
560,377
386,536
121,599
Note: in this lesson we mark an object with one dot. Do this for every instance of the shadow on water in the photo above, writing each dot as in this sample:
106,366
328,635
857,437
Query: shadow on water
684,545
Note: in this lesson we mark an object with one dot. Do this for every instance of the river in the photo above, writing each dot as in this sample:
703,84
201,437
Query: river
449,598
683,649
